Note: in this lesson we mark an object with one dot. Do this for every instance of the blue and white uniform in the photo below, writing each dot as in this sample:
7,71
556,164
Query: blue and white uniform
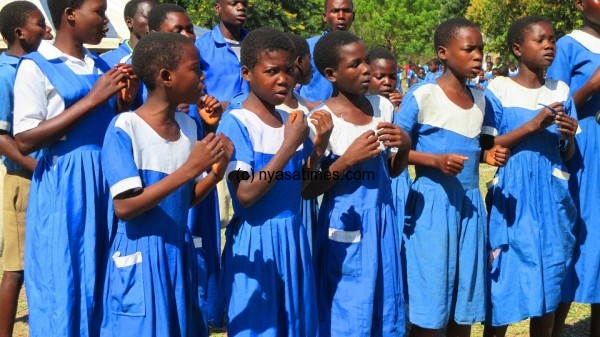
121,54
267,276
357,254
67,216
151,286
445,231
221,65
319,88
531,213
577,58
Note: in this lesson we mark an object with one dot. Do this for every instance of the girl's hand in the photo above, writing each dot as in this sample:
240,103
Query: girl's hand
107,85
210,110
566,125
323,123
364,147
450,164
497,156
204,154
396,98
132,84
391,135
546,116
220,166
296,130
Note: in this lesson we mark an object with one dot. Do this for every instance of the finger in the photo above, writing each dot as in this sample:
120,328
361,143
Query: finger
208,138
368,134
459,157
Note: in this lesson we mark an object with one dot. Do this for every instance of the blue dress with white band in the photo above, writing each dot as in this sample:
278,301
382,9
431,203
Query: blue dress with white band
357,252
531,213
577,58
151,285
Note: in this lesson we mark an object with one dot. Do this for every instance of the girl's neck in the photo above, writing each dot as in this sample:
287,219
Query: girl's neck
450,81
158,109
69,45
231,32
263,109
16,50
591,28
345,98
133,41
291,101
529,77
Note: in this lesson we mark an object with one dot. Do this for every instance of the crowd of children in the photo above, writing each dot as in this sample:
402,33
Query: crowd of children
113,163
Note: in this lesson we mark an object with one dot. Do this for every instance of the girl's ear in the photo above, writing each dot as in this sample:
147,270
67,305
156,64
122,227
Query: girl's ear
246,73
579,4
129,22
442,53
70,13
19,33
330,74
164,76
516,49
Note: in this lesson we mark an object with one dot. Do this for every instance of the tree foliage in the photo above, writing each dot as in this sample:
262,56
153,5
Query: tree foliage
495,16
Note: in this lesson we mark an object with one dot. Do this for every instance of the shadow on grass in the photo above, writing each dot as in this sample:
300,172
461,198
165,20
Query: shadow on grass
577,329
22,319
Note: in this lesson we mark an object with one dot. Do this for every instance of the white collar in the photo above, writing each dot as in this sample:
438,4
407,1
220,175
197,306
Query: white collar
588,41
50,52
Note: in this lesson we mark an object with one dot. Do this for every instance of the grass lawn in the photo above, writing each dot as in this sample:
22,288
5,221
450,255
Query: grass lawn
577,324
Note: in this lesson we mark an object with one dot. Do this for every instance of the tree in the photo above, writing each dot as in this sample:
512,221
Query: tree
454,9
495,16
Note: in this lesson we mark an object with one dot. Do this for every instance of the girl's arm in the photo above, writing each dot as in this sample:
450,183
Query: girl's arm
204,186
8,148
591,87
247,189
205,153
450,164
50,131
128,94
364,147
541,121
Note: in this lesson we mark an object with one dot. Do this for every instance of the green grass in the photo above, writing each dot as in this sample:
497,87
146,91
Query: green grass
577,323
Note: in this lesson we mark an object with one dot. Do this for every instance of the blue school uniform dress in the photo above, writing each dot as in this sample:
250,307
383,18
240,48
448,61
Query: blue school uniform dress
120,55
357,255
151,278
67,215
531,214
221,66
445,230
577,58
319,88
267,275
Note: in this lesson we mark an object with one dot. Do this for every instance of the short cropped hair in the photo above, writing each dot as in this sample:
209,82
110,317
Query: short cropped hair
263,39
380,53
159,13
300,45
327,49
517,30
447,30
157,51
14,15
57,8
326,2
132,6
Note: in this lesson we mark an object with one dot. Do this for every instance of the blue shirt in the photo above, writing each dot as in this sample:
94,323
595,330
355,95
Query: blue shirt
220,65
120,55
319,88
8,70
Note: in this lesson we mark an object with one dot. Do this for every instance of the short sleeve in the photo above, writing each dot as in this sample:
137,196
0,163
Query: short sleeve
6,97
31,100
118,163
560,68
493,114
407,116
243,153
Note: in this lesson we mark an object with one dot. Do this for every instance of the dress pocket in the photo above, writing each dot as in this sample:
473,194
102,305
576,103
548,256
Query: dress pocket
127,284
344,251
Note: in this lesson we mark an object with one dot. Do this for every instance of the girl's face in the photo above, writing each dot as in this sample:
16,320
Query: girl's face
34,31
272,77
91,23
464,53
421,73
384,77
353,73
187,78
180,23
538,46
139,22
232,12
590,9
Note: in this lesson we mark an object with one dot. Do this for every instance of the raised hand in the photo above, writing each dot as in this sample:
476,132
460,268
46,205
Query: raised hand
451,164
391,135
364,147
296,130
323,123
566,125
210,110
396,98
220,166
546,116
132,84
107,85
205,153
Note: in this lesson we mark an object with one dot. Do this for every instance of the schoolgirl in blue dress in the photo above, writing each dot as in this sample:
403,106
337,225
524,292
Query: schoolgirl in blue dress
531,213
445,235
357,253
151,286
383,82
64,101
267,276
576,64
